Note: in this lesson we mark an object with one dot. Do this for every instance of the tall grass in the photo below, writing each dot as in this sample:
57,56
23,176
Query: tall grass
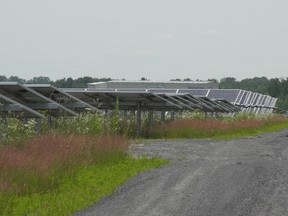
218,128
44,161
67,165
49,167
73,161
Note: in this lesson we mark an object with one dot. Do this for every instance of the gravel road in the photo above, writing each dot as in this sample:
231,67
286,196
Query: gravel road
247,176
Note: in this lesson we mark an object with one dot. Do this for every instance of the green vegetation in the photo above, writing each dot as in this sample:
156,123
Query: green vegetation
74,161
80,82
65,167
221,128
87,186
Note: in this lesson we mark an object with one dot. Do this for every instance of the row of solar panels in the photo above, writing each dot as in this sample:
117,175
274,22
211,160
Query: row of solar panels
40,100
247,101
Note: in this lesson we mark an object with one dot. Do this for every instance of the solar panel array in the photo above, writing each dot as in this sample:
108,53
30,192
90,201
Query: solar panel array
41,100
247,101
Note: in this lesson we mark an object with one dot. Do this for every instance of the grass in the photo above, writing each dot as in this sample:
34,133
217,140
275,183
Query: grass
60,174
88,186
75,161
218,128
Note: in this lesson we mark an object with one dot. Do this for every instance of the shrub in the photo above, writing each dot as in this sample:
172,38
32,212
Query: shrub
15,131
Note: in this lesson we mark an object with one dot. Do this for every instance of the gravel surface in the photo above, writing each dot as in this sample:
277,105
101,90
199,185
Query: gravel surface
247,176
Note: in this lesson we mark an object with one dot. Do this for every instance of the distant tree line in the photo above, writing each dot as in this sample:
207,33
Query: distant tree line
275,87
61,83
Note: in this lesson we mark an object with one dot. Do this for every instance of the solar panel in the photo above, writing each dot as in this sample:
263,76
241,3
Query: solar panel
228,106
264,100
250,98
243,98
239,97
32,99
229,95
194,92
191,101
256,99
9,106
61,97
164,91
127,100
37,97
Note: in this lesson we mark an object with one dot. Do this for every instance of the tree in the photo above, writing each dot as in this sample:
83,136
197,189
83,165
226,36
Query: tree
102,79
3,78
228,83
213,80
274,87
82,82
61,83
257,84
16,79
187,79
39,80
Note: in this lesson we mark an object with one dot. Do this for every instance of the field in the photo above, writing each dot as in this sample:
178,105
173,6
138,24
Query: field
73,162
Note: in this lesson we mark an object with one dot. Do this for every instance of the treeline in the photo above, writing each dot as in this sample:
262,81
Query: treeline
275,87
61,83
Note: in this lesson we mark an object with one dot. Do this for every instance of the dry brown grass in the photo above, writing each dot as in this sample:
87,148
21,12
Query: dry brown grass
39,157
213,124
213,128
41,152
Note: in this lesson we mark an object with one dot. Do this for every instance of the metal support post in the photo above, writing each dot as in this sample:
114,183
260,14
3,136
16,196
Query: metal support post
138,119
162,115
173,115
150,118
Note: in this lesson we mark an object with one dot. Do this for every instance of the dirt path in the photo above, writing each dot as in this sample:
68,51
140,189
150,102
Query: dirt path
247,176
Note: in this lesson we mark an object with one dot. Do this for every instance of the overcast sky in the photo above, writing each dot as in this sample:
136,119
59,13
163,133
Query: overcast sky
156,39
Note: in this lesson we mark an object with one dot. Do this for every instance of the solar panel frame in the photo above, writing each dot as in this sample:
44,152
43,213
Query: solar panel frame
129,100
251,98
228,106
61,97
226,94
243,98
248,97
194,92
38,96
239,96
9,105
29,98
264,101
190,100
256,100
214,107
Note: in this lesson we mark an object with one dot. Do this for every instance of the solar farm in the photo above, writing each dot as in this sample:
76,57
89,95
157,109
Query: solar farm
40,101
57,134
